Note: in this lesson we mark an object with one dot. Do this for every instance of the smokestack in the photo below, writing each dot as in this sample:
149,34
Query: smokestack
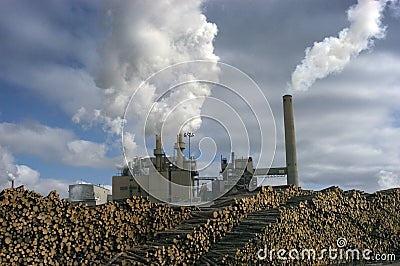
179,146
11,177
290,141
158,153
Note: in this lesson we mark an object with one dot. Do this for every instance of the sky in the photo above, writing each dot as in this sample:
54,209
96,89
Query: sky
70,70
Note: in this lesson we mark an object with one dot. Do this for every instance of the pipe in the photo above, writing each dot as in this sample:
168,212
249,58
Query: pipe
290,141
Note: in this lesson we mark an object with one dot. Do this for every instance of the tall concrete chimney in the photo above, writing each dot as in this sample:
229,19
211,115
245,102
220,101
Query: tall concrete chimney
290,141
158,153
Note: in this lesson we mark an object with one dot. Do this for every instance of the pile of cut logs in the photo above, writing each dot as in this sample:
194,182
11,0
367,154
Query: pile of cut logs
36,230
188,248
52,231
347,223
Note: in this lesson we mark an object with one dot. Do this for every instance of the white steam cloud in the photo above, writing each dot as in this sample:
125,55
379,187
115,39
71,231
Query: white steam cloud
9,171
7,167
144,38
334,53
11,177
387,179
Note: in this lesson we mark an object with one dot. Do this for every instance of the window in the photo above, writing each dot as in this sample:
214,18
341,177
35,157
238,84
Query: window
123,188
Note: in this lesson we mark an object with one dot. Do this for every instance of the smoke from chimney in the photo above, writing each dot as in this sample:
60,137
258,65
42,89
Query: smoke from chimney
11,177
145,37
334,53
7,166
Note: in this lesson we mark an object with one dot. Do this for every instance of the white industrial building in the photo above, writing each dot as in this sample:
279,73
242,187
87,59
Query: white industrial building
90,194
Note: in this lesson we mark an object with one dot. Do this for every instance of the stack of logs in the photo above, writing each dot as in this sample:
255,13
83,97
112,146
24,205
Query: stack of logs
52,231
189,248
336,220
36,230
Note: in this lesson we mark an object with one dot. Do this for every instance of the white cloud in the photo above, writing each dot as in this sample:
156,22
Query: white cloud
45,185
25,175
387,179
131,149
54,144
85,153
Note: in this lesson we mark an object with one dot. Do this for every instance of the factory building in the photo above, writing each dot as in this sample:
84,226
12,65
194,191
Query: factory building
241,170
237,174
151,177
90,194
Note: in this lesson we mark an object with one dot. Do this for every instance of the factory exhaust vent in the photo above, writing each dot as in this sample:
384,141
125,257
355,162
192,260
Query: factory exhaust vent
290,141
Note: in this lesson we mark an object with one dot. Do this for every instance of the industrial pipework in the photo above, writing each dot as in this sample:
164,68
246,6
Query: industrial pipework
290,141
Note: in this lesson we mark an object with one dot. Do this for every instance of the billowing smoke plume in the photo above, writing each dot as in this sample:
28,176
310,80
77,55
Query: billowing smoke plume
334,53
145,37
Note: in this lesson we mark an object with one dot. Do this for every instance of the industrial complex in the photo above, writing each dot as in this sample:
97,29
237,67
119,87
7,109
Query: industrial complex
175,179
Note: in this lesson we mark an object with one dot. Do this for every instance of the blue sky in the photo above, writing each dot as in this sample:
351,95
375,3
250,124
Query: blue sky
68,68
